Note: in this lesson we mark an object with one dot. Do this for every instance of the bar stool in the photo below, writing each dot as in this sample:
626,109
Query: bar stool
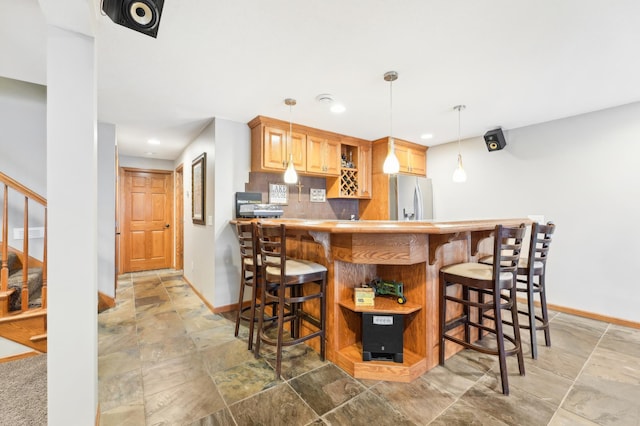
282,283
485,280
531,280
250,276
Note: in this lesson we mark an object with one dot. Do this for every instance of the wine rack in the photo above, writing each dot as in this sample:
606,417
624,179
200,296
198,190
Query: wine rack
349,183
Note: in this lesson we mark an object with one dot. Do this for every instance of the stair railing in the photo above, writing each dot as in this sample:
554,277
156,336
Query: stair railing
29,195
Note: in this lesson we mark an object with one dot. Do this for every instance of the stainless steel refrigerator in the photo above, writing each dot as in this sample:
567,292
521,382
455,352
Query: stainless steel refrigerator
410,198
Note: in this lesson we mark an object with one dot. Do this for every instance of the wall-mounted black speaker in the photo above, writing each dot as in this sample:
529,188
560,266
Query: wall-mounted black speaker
495,140
139,15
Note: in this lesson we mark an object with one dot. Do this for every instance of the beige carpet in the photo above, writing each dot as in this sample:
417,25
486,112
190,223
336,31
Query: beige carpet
23,392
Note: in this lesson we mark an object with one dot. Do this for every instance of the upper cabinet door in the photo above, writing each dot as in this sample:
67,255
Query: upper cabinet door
418,162
332,158
274,152
323,156
402,152
277,147
298,147
315,154
413,160
364,170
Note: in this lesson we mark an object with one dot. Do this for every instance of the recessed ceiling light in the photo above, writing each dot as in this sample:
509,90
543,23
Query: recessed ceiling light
149,153
153,142
426,136
337,108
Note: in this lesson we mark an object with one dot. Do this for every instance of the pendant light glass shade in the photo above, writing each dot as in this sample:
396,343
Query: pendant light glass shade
391,164
290,175
459,175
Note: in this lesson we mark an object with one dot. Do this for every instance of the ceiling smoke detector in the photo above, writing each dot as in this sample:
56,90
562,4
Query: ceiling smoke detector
325,98
334,106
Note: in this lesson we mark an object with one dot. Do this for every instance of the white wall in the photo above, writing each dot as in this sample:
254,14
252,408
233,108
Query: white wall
583,173
106,208
233,152
199,240
211,258
23,138
23,152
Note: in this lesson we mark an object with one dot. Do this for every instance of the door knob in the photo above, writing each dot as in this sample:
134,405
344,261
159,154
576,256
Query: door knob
167,225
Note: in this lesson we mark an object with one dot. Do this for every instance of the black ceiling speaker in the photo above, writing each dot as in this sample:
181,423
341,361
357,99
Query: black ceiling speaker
139,15
495,140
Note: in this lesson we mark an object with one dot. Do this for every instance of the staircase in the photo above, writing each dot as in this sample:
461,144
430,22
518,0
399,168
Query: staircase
23,282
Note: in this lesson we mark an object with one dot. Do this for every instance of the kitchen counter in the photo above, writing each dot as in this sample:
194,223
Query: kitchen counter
394,226
412,252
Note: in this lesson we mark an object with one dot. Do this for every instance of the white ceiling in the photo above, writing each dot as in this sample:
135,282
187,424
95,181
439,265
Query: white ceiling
512,62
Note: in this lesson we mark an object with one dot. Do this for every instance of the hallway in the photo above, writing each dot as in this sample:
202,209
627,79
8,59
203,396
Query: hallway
164,358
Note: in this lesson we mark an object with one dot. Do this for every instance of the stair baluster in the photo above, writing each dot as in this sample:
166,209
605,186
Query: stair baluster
4,272
25,261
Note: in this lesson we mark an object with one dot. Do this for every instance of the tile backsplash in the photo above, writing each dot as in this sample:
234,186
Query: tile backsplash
299,204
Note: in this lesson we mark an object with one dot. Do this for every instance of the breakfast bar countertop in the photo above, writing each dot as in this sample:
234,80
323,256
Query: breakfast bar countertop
394,226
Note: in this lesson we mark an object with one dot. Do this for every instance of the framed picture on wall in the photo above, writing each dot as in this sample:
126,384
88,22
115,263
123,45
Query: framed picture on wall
198,175
278,193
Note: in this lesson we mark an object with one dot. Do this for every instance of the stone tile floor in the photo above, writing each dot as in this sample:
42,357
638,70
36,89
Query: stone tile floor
165,359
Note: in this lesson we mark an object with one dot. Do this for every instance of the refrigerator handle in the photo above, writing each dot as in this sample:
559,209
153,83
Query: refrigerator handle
418,205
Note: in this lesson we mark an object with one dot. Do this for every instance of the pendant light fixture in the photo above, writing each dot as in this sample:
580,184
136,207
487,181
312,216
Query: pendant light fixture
391,164
290,175
459,175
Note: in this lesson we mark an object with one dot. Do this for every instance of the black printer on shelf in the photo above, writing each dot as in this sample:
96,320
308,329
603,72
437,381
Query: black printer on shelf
250,205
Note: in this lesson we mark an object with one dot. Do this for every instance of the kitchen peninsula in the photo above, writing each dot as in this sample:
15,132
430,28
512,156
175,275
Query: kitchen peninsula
355,252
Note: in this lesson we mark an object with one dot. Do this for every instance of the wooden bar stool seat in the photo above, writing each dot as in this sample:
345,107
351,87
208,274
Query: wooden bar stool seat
282,284
531,281
459,282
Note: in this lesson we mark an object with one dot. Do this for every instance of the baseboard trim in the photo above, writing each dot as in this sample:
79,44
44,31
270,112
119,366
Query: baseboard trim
591,315
219,310
19,356
105,302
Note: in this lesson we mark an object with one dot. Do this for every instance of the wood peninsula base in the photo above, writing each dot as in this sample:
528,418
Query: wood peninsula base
355,252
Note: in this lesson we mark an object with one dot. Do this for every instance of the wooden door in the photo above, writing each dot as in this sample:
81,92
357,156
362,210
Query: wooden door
147,203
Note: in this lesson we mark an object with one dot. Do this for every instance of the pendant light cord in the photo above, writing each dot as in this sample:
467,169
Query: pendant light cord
459,108
391,109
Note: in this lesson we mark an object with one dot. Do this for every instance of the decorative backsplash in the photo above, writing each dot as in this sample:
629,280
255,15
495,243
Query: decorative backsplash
299,204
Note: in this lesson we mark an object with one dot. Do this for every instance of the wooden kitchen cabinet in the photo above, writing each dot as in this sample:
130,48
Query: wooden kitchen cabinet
323,156
413,161
270,147
354,180
364,168
345,161
412,158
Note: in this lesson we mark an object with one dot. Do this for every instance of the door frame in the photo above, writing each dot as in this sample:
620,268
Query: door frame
178,190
